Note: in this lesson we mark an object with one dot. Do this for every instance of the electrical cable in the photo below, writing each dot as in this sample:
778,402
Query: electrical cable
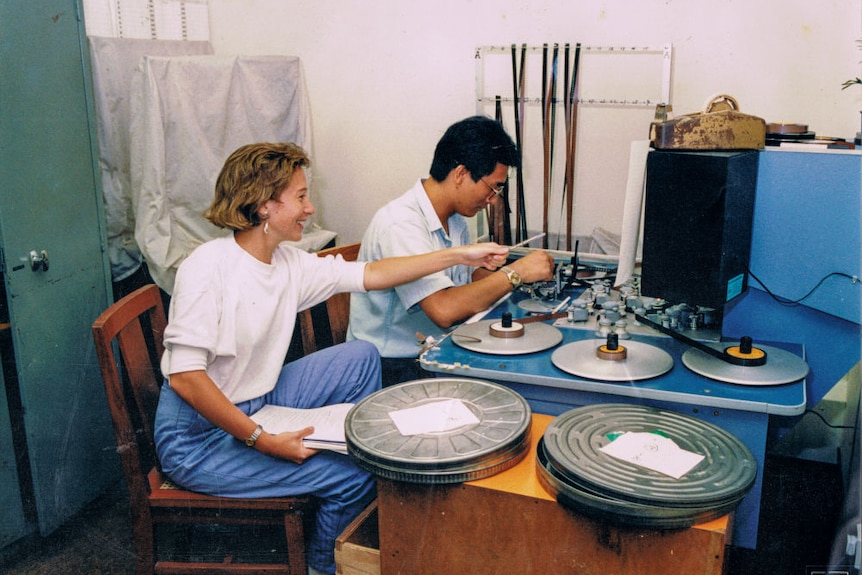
791,302
823,419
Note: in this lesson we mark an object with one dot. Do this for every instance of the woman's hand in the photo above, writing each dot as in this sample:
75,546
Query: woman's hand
488,255
199,391
287,445
393,271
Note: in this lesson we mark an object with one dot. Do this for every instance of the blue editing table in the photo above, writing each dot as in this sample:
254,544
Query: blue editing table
744,411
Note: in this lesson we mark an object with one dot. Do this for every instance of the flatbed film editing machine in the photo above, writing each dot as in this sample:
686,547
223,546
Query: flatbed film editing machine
655,340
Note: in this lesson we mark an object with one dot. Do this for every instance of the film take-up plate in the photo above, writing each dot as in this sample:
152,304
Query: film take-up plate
479,337
642,361
781,366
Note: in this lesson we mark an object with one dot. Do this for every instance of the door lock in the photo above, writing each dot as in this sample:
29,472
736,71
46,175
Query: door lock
39,261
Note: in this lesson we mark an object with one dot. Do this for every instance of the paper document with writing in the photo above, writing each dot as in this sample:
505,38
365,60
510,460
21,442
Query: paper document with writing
328,423
433,417
654,452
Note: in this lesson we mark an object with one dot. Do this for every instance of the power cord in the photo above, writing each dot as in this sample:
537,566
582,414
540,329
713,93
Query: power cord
790,302
823,419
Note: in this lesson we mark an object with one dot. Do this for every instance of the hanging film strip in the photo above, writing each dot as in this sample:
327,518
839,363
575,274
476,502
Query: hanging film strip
571,78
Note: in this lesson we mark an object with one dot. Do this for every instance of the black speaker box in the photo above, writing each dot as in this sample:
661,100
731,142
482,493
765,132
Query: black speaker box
698,215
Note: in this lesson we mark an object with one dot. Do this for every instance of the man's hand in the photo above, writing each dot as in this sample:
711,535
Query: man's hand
536,266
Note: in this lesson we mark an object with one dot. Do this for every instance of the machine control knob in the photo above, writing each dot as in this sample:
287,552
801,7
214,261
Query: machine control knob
620,329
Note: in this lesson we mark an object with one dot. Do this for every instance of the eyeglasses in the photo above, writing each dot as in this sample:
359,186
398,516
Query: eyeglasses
494,191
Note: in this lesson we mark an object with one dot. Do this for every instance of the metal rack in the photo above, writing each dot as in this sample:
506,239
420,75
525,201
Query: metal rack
666,52
611,87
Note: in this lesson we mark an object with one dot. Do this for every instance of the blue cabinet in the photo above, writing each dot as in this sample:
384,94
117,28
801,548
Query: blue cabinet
806,227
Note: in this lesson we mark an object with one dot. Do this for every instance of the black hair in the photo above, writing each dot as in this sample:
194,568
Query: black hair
479,143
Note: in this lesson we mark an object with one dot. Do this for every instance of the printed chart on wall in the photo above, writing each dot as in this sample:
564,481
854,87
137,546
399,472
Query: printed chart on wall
176,20
574,110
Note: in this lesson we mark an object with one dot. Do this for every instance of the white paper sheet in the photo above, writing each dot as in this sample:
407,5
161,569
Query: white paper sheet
434,417
328,423
653,451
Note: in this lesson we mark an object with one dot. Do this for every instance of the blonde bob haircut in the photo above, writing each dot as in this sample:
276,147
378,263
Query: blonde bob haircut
250,176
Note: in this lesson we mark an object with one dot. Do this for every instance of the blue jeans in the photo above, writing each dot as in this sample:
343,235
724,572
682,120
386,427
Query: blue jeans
201,457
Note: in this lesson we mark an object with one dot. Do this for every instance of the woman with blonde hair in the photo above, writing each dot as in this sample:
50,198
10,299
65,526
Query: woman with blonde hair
232,316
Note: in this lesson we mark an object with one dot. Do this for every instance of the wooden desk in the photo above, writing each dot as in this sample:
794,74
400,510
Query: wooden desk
508,523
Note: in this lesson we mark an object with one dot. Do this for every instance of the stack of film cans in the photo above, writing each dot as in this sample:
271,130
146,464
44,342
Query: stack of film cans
571,465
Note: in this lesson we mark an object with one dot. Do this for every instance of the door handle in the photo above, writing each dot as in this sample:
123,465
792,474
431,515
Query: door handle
38,261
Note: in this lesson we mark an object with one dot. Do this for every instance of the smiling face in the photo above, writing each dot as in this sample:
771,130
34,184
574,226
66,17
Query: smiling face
286,215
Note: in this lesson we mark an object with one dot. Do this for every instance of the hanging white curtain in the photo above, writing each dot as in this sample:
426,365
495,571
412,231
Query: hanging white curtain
114,61
120,33
168,115
188,115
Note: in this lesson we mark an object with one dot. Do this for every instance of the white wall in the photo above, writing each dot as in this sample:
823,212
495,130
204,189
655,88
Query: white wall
386,77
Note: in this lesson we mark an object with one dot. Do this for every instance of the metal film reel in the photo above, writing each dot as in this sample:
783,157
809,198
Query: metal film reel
573,466
499,440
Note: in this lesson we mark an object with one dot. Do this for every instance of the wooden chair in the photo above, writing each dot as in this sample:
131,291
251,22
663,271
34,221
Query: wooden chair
132,382
326,324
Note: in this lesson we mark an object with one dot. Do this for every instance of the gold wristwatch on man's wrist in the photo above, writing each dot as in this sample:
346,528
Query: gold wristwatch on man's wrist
513,276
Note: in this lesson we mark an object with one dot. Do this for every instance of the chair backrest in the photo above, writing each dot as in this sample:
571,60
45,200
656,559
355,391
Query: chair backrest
326,324
132,380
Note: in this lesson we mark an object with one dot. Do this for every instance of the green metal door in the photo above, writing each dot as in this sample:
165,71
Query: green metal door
50,208
15,524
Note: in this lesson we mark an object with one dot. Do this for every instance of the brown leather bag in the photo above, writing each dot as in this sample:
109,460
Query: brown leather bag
719,126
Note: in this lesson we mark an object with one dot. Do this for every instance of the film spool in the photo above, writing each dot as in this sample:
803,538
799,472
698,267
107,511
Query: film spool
579,474
500,330
612,350
499,440
506,328
755,355
607,354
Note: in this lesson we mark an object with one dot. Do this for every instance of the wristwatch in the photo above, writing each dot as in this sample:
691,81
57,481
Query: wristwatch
252,439
514,277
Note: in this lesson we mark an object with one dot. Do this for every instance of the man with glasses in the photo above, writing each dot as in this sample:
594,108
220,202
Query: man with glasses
469,170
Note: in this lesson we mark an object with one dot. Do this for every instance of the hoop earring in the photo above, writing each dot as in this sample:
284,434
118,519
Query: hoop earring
266,227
